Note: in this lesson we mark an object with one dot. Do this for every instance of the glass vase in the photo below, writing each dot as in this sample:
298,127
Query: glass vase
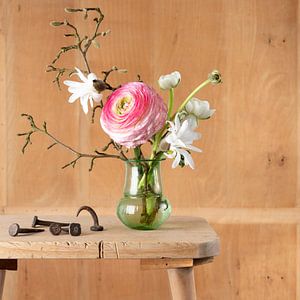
143,205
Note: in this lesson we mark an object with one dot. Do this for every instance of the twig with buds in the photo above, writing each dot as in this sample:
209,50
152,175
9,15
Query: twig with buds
82,44
79,155
108,87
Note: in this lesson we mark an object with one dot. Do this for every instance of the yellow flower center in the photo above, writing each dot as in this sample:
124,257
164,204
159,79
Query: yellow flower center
123,105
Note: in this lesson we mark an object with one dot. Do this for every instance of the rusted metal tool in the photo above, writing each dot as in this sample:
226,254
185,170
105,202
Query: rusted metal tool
36,221
73,229
96,226
14,229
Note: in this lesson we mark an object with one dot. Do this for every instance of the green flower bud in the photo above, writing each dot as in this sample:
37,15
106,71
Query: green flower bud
215,77
122,71
96,44
72,10
56,23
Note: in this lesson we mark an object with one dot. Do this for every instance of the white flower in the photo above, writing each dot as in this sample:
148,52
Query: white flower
192,120
199,108
180,138
166,82
84,90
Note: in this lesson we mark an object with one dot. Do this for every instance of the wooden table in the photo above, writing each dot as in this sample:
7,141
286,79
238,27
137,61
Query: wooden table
179,245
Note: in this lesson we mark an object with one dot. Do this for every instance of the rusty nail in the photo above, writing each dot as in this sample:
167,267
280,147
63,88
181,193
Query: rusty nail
14,229
96,226
73,229
36,221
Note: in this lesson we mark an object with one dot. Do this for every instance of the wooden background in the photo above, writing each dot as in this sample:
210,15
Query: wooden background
247,179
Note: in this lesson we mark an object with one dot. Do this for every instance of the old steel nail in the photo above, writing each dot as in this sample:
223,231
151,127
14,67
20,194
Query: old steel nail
36,221
14,229
74,229
96,226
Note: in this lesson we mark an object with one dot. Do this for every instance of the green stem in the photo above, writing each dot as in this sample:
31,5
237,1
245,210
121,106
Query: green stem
157,159
181,107
191,95
171,102
137,153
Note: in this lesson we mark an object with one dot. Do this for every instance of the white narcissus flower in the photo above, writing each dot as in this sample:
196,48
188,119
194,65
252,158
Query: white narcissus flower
166,82
180,139
84,90
199,108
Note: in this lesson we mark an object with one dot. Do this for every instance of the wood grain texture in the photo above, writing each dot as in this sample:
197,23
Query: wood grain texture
180,237
86,279
166,263
212,214
258,262
2,278
3,103
253,171
246,180
298,105
298,262
27,24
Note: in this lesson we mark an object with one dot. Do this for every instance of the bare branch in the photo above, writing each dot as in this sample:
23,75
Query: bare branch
49,147
106,75
139,78
79,155
94,111
82,44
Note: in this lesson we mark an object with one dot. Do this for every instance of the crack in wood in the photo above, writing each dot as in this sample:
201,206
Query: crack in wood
101,249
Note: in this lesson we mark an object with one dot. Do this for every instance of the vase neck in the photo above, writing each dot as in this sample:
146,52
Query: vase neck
142,177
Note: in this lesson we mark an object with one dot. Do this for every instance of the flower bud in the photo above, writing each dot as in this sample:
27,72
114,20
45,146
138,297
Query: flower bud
122,70
96,44
99,85
215,77
200,109
72,10
56,23
192,121
166,82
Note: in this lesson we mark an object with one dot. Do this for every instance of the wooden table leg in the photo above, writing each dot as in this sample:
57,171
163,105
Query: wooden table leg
2,278
182,283
180,272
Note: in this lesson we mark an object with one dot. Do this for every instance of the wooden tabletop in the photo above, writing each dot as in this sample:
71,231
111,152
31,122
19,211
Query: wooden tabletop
179,237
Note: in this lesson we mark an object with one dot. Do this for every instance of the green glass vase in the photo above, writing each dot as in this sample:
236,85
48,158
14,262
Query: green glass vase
143,205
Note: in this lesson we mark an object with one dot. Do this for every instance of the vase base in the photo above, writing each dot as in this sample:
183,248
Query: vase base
130,212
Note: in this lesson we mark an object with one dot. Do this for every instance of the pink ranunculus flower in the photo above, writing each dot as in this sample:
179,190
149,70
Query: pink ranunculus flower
133,114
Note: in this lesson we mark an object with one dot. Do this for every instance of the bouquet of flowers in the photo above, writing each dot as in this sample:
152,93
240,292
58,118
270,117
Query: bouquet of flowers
132,115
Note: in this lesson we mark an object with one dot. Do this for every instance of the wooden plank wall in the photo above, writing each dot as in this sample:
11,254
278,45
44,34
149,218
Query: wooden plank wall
247,179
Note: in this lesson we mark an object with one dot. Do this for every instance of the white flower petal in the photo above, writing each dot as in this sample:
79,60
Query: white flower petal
169,81
176,160
84,103
180,139
193,148
199,108
84,90
91,77
177,122
183,128
73,97
189,107
80,75
72,83
188,159
97,97
192,119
